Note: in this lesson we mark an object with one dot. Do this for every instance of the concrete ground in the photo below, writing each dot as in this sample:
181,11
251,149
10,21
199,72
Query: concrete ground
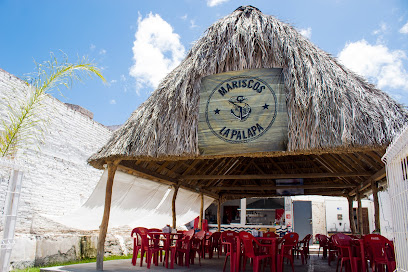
315,264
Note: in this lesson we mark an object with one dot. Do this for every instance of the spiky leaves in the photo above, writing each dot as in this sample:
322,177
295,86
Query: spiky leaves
25,122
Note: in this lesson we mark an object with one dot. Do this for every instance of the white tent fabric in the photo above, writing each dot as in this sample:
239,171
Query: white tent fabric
136,202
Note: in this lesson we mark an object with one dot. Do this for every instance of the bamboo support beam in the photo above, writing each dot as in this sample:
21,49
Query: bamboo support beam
200,220
219,213
351,215
112,166
173,205
359,214
374,189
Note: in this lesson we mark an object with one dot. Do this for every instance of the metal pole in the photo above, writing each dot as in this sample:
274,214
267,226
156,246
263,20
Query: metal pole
10,217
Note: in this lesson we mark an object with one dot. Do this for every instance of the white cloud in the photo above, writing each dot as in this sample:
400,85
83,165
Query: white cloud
192,24
213,3
156,51
113,81
184,17
376,62
102,52
112,102
306,32
382,29
92,46
404,29
122,78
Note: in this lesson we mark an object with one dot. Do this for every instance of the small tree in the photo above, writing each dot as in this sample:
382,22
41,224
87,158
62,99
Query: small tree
24,123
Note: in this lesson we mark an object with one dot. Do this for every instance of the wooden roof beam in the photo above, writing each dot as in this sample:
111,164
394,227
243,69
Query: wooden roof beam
376,177
277,176
243,195
273,187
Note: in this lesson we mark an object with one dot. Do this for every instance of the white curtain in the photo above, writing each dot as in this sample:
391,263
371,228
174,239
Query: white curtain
136,202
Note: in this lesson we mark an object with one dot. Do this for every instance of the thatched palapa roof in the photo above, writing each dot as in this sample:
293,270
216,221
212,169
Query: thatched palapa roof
329,107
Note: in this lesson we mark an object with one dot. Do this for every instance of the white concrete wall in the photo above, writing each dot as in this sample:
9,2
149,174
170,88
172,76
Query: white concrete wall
57,177
325,210
334,207
386,223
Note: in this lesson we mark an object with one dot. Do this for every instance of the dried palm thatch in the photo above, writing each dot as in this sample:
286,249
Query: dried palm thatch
329,107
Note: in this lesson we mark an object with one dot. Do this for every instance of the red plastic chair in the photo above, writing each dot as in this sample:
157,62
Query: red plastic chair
287,249
147,246
137,244
358,257
379,252
156,242
205,225
343,244
391,256
182,248
228,240
257,256
323,243
215,243
332,250
207,245
197,246
302,248
270,234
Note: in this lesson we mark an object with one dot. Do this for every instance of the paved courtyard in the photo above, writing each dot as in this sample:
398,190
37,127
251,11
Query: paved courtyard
315,264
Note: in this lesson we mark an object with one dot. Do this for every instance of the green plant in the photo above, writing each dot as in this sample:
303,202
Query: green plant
24,123
108,258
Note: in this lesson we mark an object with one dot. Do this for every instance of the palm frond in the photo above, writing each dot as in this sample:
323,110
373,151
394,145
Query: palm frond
26,123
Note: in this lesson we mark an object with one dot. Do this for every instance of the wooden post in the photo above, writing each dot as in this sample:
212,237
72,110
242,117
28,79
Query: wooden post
219,213
103,228
374,188
359,214
200,220
173,205
351,215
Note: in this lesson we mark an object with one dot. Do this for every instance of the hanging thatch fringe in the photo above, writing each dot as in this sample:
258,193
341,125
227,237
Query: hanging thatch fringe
329,107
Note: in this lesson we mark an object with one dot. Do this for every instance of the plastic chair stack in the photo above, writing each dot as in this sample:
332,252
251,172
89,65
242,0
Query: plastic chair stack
228,239
343,243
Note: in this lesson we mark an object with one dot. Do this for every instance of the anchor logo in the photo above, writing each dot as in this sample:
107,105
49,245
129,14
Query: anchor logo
240,110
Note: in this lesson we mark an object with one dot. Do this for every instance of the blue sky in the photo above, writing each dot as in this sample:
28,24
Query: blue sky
369,36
